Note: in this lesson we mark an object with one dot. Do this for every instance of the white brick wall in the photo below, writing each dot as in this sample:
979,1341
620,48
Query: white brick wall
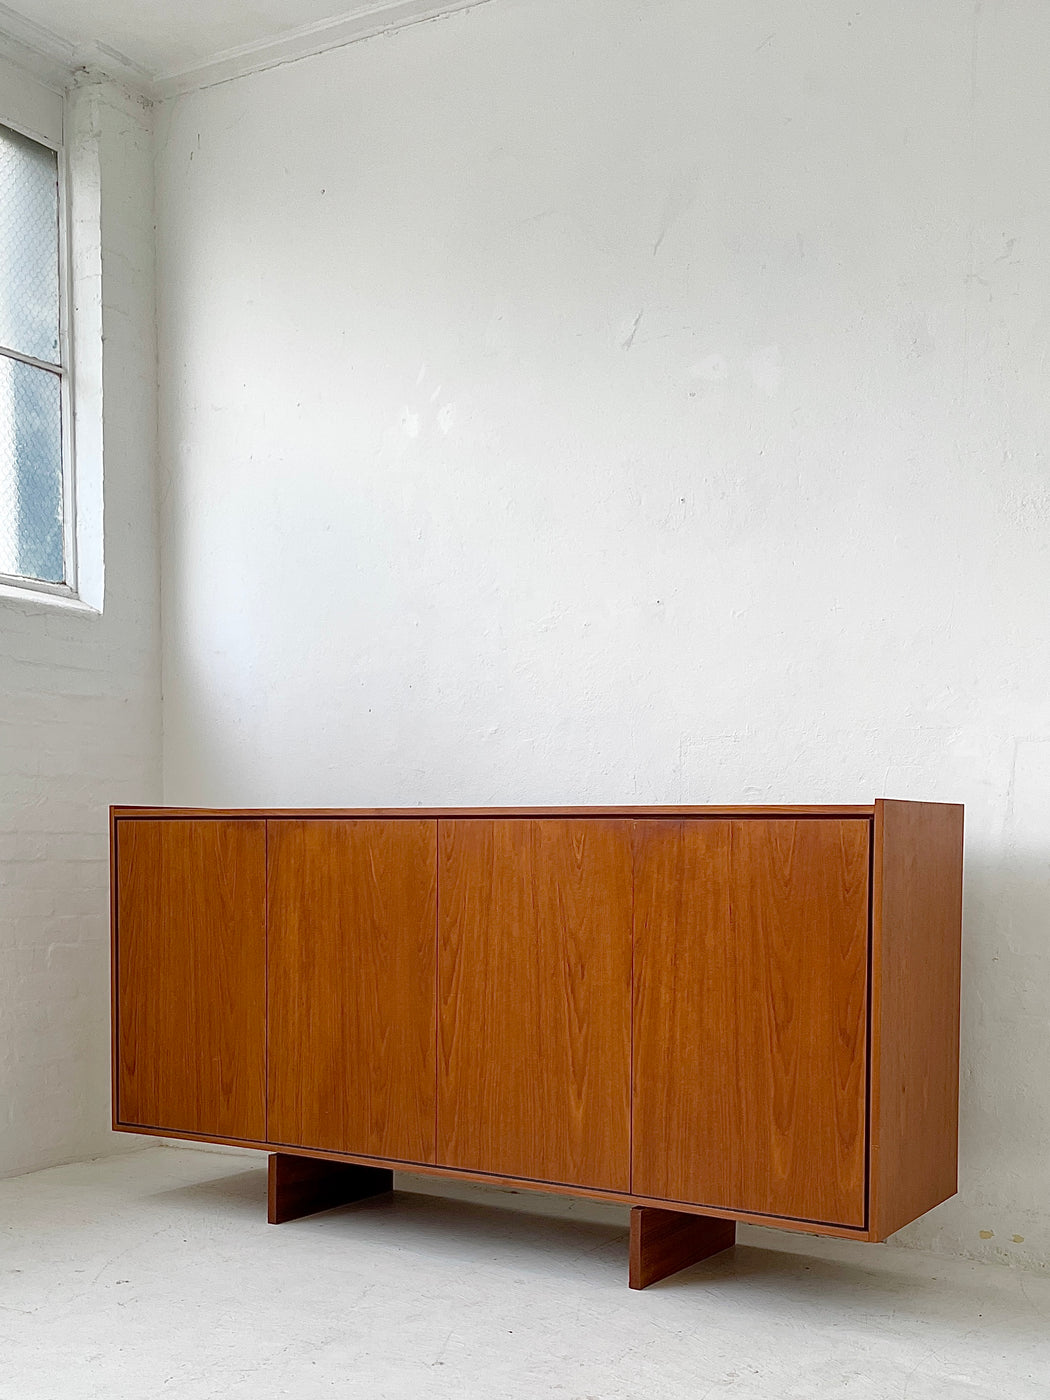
80,710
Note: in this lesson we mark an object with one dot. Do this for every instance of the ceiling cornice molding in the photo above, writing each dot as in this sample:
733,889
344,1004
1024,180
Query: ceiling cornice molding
100,59
36,50
56,62
381,17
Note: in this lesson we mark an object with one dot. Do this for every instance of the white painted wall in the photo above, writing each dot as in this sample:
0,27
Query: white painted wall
639,402
80,691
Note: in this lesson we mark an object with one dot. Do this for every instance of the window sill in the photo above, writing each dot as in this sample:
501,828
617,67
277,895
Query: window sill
39,598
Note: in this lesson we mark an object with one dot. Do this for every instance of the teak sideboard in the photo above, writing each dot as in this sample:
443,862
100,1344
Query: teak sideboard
710,1014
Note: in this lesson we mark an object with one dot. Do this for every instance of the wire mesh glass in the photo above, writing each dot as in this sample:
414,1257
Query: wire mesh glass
28,247
30,472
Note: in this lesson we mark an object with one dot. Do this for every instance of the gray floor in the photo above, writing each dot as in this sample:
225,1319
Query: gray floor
155,1274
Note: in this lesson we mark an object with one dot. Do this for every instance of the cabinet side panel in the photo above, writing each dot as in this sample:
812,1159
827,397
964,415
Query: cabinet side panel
351,959
751,942
916,946
190,976
535,978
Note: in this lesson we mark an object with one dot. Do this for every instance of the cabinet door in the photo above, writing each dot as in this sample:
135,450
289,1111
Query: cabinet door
191,976
535,976
352,930
751,971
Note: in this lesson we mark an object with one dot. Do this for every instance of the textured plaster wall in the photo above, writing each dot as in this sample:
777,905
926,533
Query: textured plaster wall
80,691
643,402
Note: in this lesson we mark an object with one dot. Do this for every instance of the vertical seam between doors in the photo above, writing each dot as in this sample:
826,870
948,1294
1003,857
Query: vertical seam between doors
630,1087
437,980
868,1032
266,980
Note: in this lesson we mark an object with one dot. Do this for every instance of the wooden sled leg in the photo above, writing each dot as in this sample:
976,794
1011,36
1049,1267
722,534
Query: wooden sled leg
301,1186
664,1241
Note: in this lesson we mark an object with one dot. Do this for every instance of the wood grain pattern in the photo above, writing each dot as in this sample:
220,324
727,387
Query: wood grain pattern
352,985
916,948
486,813
750,1016
191,976
664,1242
298,1186
535,977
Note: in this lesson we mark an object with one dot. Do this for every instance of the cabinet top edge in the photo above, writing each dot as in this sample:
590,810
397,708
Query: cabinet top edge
865,812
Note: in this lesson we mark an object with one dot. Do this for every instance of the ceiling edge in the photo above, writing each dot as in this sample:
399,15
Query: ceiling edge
36,50
378,18
55,61
100,58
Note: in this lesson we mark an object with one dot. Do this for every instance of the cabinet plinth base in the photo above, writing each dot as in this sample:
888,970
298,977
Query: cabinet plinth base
664,1241
301,1186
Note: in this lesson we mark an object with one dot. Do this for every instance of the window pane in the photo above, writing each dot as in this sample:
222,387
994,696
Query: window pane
30,472
28,247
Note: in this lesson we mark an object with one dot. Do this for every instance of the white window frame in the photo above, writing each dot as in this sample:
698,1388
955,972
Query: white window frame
68,588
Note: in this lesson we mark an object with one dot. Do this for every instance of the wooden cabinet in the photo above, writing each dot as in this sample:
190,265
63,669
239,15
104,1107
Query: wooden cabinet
710,1014
351,967
190,981
751,994
535,1000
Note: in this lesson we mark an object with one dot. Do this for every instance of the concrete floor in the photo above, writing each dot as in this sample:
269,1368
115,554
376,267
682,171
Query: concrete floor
155,1274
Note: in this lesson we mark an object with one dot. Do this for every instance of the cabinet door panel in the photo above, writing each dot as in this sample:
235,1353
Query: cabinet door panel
352,929
535,975
750,1015
191,976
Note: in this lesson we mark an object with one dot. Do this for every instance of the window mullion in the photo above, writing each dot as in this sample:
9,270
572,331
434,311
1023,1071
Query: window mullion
49,365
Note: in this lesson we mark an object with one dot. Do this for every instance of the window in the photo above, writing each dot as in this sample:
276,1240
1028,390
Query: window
36,506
